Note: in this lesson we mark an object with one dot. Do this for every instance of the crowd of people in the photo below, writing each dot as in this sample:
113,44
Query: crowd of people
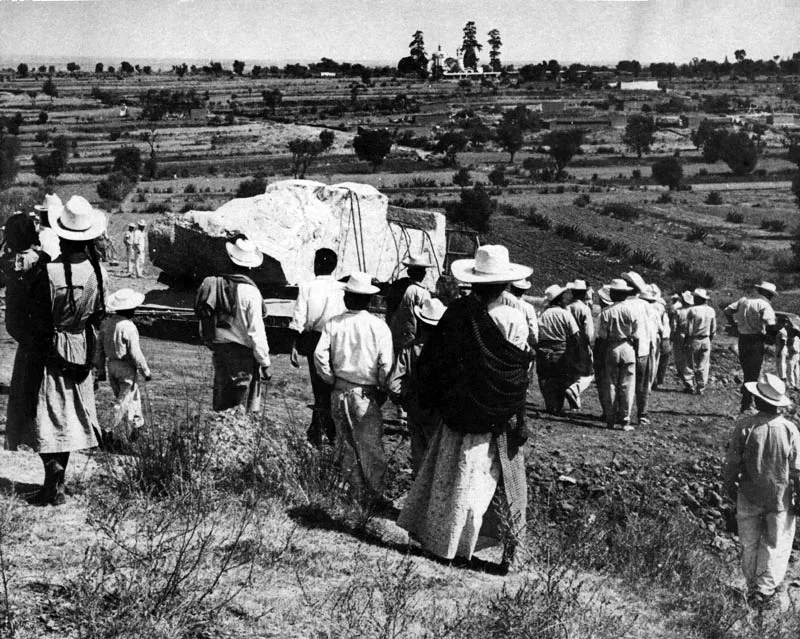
458,363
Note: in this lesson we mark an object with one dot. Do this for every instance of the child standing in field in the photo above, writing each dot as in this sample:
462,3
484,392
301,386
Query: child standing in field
118,350
403,384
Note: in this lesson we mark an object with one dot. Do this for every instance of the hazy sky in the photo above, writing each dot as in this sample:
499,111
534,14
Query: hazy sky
380,30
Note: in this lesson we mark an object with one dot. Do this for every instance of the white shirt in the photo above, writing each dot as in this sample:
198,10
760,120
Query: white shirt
49,242
356,347
138,241
528,311
583,317
318,300
751,314
511,322
247,327
645,329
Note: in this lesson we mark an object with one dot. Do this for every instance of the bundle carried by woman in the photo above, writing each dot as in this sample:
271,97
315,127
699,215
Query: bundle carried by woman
470,372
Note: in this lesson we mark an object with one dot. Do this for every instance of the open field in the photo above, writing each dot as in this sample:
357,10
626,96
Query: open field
629,535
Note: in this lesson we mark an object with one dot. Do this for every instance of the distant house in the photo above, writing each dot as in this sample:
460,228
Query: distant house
327,74
548,107
640,85
7,75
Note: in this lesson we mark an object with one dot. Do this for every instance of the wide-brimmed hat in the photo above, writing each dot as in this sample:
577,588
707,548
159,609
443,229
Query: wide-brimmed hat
648,294
553,292
490,266
77,220
431,311
578,285
416,260
131,225
767,287
769,388
687,298
124,299
244,252
522,285
701,293
142,223
360,284
604,295
619,285
635,280
51,201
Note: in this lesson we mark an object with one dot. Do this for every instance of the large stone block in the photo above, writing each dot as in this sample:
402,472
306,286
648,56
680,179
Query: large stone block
290,221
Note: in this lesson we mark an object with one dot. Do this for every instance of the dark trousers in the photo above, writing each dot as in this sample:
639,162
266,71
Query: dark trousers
751,358
644,380
321,420
236,378
663,362
553,371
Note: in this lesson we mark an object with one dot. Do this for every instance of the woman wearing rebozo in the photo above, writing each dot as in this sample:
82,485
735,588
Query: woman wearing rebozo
474,370
52,408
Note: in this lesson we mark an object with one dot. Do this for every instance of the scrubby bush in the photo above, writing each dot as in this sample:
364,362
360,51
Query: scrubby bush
462,178
621,211
251,188
714,198
569,232
642,257
473,209
619,249
539,220
697,234
776,226
190,188
734,218
664,198
582,200
497,176
128,160
115,187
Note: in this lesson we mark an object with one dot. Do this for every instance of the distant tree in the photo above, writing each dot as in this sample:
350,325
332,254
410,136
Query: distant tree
303,152
417,52
640,132
42,68
128,160
51,69
110,69
740,153
792,143
740,55
709,138
407,66
553,68
51,164
668,172
497,176
61,145
238,67
474,208
563,146
126,67
50,89
98,68
462,178
470,46
22,70
510,138
272,99
147,69
42,137
633,67
256,71
251,188
494,54
523,117
115,187
14,124
9,167
43,117
326,139
180,69
451,143
366,77
72,67
372,145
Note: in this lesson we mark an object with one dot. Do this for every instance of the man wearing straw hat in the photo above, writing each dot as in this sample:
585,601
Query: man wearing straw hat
139,240
403,322
646,339
618,329
403,383
755,321
762,476
130,255
231,312
318,301
600,349
474,371
557,349
583,366
683,366
514,296
701,326
355,355
48,240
